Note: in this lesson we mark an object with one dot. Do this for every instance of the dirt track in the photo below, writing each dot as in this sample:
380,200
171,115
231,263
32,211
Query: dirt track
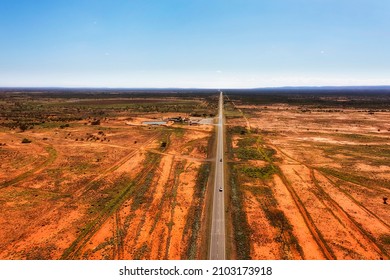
333,205
117,197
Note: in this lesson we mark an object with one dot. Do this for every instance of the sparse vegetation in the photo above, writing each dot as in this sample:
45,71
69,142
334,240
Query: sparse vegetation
26,141
304,167
354,178
95,122
256,172
318,132
266,199
385,239
192,226
242,230
62,126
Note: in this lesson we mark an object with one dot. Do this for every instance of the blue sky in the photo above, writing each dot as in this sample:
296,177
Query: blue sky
194,43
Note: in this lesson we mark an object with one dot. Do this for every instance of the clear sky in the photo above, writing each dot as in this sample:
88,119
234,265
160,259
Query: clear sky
194,43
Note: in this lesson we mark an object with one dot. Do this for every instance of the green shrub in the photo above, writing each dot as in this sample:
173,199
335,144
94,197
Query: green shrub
257,172
26,141
246,141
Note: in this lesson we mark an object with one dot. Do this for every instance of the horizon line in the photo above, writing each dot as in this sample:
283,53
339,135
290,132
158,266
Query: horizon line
195,88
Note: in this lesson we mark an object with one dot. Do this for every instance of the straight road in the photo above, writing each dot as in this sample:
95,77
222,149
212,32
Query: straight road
217,242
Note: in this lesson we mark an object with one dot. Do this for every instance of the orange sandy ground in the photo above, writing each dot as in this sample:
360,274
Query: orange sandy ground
49,188
331,217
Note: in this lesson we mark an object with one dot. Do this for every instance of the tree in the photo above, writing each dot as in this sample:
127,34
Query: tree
23,127
95,122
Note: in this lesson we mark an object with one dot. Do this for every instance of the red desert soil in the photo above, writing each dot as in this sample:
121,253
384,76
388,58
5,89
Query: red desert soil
155,230
332,176
75,193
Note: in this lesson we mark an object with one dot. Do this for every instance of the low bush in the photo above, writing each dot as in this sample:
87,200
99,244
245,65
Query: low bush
26,141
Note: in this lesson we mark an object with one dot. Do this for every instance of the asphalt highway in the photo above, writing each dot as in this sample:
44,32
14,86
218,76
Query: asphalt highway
217,242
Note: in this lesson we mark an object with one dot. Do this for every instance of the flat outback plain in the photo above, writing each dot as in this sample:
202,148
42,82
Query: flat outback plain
95,182
120,174
309,172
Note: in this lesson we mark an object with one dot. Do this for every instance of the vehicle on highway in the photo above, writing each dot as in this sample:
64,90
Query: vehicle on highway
220,189
220,160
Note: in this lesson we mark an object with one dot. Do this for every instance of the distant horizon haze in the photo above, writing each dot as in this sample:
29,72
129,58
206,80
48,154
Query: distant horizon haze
385,88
